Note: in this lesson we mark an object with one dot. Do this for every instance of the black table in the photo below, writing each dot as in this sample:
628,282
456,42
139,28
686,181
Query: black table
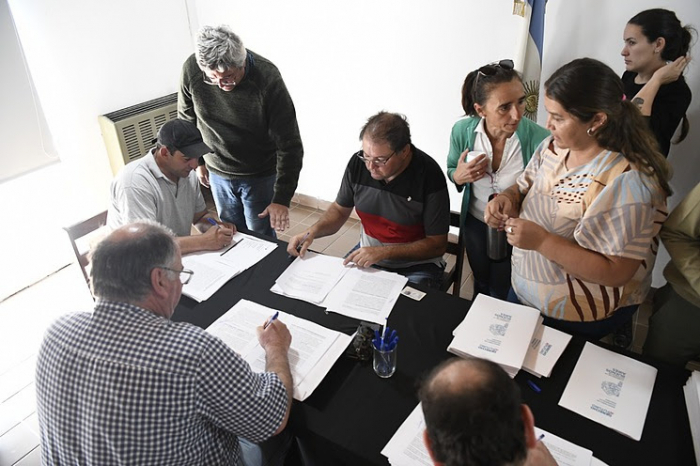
353,413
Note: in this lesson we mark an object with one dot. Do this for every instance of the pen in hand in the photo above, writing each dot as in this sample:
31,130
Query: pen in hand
301,243
272,319
213,222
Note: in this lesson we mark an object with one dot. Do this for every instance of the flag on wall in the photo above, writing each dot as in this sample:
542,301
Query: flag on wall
528,58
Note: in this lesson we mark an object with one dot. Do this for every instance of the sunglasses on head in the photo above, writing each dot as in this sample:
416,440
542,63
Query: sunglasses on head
492,68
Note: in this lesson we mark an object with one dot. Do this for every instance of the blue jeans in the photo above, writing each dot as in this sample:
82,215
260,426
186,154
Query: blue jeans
240,200
271,452
591,330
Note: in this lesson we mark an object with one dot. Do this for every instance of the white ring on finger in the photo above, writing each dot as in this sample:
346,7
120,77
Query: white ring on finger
509,230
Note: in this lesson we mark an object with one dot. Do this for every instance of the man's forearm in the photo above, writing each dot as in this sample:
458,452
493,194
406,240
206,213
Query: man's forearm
426,248
277,361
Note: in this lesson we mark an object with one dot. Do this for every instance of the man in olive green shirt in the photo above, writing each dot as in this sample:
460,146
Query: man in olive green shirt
674,327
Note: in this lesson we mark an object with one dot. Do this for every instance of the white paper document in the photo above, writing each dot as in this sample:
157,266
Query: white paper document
312,277
564,452
313,351
366,294
545,348
406,447
496,330
213,269
611,389
691,390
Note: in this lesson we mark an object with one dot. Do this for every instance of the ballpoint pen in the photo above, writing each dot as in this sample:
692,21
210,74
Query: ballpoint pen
213,222
301,243
540,437
272,319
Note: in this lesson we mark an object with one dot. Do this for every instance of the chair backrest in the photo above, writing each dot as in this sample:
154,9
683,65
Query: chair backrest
80,230
453,276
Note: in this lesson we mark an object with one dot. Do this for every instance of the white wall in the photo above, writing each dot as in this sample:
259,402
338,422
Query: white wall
87,58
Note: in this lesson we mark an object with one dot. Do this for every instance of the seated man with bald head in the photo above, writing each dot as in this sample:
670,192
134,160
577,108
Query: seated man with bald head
474,416
126,385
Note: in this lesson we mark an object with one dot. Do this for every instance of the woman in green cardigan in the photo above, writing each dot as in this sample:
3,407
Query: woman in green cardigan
501,143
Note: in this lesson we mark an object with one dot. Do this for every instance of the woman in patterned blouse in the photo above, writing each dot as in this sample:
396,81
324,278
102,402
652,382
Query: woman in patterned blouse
584,216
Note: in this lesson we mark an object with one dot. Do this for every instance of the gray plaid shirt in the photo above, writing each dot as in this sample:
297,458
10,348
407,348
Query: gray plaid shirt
123,385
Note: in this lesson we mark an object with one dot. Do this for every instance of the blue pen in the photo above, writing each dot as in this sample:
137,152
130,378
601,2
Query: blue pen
213,222
272,319
534,386
540,437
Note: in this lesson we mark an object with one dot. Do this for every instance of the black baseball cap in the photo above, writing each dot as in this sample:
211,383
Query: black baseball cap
183,136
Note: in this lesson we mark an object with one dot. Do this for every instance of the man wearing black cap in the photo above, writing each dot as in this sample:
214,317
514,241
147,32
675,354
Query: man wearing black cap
162,186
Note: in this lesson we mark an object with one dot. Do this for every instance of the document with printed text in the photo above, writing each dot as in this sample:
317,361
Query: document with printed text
406,447
611,389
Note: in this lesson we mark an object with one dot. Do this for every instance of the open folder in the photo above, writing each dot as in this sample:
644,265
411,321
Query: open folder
313,351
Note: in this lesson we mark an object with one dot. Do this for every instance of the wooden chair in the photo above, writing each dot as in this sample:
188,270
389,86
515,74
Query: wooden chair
453,276
80,230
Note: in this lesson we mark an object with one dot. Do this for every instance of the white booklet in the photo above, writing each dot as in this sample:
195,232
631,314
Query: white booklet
496,330
611,389
406,447
313,351
213,269
546,347
365,294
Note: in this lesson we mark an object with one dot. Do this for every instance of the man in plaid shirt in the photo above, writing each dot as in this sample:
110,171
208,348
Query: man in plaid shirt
125,385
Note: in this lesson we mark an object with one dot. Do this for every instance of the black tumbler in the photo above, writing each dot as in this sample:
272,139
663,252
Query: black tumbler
496,242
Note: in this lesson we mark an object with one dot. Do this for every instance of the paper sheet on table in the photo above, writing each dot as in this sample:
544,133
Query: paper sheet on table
311,278
366,294
313,351
564,452
406,447
611,389
212,270
691,391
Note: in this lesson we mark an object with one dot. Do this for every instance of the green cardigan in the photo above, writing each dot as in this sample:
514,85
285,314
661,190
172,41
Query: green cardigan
530,135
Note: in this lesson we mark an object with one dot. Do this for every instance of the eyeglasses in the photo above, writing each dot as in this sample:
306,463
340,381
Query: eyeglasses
225,81
185,274
491,69
376,161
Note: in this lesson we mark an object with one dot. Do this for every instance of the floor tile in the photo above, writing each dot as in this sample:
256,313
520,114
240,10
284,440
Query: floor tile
17,408
17,443
33,458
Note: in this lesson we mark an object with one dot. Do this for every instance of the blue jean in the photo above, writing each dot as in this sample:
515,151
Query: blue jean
591,330
271,452
240,200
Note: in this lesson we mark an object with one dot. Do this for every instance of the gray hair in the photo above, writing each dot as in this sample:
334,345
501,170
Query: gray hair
218,48
121,264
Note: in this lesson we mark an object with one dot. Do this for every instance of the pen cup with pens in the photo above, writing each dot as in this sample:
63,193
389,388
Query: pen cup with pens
385,349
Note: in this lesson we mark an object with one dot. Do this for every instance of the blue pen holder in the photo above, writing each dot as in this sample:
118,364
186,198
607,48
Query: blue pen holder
385,361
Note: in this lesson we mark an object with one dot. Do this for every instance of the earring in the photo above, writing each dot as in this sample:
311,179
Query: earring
589,131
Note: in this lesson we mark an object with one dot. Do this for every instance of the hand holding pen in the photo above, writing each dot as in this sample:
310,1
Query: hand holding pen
273,334
299,244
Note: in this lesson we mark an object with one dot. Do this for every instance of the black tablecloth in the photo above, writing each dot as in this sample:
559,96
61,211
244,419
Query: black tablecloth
353,413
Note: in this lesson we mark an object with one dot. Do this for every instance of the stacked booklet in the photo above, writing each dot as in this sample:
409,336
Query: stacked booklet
692,402
498,331
313,351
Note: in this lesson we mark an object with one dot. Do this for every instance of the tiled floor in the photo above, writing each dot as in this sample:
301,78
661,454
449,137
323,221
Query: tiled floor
25,316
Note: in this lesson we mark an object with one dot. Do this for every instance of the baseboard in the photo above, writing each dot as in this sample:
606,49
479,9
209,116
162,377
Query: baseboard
313,202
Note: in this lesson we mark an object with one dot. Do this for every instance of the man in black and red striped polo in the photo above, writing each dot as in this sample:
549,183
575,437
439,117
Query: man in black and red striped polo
400,195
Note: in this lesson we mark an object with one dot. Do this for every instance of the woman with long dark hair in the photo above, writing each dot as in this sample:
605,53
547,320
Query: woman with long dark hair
656,53
584,216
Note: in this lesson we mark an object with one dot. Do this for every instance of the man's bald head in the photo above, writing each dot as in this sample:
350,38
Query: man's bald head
473,414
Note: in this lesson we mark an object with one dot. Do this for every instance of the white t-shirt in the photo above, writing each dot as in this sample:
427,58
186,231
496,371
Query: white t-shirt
494,182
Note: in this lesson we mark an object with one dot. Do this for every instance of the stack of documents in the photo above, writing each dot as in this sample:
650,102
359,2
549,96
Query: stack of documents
611,389
212,269
496,330
365,294
545,348
406,447
313,351
692,402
